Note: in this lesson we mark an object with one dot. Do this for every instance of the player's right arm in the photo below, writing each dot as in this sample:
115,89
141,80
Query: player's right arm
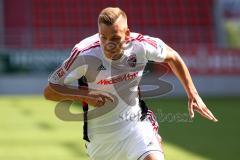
57,90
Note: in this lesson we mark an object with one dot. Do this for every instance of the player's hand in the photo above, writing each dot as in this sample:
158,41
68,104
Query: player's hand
98,99
196,103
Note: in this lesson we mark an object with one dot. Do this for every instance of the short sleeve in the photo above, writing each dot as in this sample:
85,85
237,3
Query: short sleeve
71,69
154,48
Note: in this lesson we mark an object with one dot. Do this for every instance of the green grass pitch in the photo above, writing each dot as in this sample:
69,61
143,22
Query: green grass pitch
30,130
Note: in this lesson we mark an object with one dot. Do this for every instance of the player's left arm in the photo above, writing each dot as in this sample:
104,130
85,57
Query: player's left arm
179,68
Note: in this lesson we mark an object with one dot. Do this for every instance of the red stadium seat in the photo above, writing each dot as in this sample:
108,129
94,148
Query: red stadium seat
62,23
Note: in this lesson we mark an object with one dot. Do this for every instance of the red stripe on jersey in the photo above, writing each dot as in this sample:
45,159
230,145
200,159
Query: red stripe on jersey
153,120
94,45
73,52
141,38
151,42
73,59
73,55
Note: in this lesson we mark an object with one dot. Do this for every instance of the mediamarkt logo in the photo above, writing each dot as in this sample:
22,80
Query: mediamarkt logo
125,77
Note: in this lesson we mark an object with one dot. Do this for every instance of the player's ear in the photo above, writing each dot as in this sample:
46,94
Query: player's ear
127,34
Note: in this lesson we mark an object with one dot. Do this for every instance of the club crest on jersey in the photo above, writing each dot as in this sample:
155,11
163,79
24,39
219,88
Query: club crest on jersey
132,60
101,67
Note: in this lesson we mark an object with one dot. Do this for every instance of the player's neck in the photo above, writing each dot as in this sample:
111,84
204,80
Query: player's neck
117,57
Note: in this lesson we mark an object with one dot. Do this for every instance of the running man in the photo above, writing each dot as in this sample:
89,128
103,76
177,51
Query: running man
112,63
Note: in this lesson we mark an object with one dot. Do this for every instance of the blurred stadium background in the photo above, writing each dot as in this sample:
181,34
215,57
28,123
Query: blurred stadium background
37,35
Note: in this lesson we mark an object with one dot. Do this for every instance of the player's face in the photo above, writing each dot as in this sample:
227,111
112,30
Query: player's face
112,39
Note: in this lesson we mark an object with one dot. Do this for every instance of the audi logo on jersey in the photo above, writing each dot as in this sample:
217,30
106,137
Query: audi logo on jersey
125,77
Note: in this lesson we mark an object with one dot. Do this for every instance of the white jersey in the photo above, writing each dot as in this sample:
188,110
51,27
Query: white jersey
120,78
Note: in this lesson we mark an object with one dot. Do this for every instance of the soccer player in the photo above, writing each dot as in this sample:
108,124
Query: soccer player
112,62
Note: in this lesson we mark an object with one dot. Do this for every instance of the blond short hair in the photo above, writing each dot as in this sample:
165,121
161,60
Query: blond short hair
110,15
